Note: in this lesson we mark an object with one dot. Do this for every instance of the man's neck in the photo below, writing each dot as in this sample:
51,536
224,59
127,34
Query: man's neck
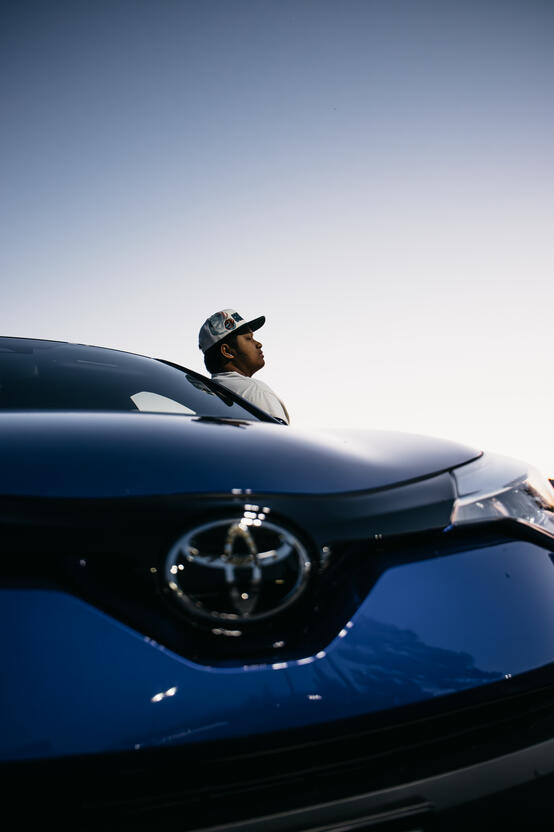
230,367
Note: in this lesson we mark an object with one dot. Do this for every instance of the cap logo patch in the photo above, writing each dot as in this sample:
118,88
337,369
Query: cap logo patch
229,324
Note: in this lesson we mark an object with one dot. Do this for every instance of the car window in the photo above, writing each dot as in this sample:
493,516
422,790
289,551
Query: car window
45,375
155,403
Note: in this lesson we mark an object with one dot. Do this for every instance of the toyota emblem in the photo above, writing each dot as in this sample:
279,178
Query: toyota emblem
239,569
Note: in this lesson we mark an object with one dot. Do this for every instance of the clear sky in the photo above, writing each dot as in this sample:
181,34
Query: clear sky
375,176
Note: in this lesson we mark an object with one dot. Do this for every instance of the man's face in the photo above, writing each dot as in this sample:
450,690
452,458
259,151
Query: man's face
249,356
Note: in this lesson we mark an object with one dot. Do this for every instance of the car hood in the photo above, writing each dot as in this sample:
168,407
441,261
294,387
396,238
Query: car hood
131,454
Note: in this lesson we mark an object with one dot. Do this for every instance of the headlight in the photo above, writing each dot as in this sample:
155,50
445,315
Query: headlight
498,488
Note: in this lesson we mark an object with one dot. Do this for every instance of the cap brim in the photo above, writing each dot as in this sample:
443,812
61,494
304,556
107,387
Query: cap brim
255,324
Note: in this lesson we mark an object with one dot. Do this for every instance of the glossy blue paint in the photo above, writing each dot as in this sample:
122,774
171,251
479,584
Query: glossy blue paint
127,454
77,681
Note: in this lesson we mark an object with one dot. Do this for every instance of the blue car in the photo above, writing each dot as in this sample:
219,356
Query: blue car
216,620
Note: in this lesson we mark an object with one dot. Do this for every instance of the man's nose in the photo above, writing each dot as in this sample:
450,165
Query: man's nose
259,344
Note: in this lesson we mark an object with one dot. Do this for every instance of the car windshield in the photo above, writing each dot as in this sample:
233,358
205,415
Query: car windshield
49,375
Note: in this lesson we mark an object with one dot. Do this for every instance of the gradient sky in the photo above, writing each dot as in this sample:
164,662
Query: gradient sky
376,177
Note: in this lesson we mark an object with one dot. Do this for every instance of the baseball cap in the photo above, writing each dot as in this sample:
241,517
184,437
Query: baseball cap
221,324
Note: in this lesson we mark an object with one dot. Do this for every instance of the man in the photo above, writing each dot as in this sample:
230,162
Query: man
232,355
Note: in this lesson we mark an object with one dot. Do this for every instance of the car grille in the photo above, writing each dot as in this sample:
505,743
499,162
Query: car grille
111,554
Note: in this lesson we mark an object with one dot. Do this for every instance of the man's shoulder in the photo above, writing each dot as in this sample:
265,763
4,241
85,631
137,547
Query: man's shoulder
239,379
234,378
257,392
241,384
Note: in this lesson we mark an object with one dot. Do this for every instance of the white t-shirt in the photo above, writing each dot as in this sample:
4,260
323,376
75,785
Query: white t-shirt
254,391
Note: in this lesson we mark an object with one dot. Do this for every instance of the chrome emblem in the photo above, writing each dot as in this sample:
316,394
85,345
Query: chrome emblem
237,569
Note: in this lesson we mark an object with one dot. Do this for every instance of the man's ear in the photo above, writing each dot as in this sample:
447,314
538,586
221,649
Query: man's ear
226,351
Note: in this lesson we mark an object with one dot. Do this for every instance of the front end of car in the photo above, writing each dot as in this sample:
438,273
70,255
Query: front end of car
218,623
